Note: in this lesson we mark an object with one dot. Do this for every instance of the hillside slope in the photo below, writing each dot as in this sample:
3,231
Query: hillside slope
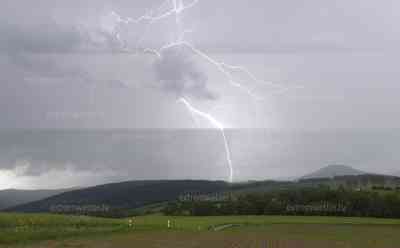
14,197
333,171
125,195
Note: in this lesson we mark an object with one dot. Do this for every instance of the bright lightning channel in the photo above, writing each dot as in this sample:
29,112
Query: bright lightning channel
217,124
176,8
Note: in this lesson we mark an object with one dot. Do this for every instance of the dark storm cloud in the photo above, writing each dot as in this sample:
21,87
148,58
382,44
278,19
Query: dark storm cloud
143,152
56,55
222,25
179,74
45,67
156,154
55,43
38,38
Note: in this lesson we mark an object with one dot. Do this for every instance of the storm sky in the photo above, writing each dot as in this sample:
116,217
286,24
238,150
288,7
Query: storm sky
68,65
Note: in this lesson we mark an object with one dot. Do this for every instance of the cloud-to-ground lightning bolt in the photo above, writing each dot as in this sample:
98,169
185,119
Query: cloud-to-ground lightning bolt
175,8
218,125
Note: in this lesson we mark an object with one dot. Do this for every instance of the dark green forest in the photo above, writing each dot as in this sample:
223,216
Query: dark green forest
321,201
363,195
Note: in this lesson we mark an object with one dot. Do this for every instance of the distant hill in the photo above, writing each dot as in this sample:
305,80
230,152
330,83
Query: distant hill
14,197
127,198
331,171
125,195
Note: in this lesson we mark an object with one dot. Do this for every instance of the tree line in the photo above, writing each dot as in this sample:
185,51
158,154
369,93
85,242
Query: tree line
322,201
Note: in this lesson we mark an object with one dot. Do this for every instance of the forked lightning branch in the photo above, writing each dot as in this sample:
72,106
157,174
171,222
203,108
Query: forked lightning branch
174,9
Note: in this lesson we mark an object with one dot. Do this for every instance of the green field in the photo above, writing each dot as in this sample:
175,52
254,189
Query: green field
26,230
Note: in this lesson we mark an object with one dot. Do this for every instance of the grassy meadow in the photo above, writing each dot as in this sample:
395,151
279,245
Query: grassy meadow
42,230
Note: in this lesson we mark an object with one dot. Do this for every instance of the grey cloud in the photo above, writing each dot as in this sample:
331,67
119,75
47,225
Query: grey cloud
53,53
38,38
257,153
49,31
178,73
45,67
143,152
219,25
44,90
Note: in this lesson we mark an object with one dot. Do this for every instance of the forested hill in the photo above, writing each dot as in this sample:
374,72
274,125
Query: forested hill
14,197
331,171
131,195
125,195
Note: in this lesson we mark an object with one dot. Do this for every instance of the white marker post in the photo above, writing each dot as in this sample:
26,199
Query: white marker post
130,223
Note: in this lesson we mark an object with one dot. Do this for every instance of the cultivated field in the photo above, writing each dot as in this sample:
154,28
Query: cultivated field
17,230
